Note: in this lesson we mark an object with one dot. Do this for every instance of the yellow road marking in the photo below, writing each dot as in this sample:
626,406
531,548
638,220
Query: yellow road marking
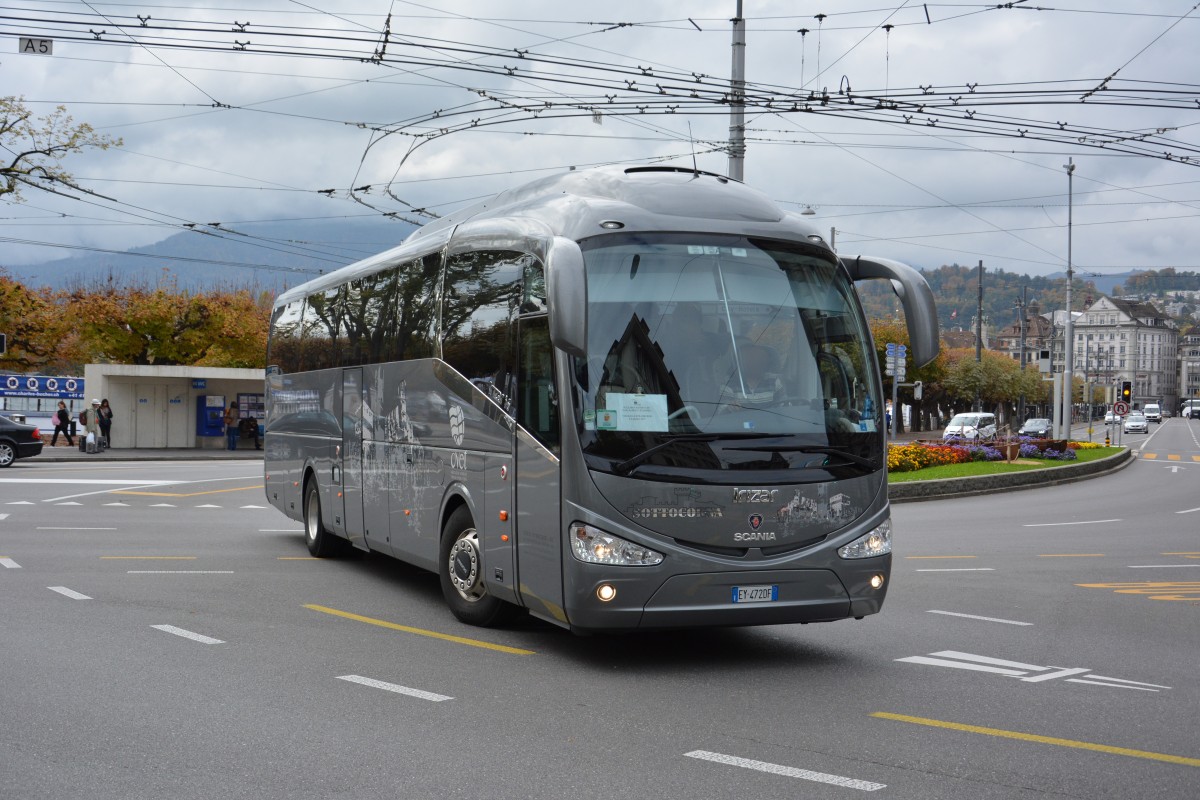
422,632
1149,455
148,558
1173,590
1033,737
1174,457
187,494
941,557
1195,458
1071,555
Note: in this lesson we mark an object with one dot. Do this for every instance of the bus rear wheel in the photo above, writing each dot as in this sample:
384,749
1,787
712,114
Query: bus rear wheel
321,543
461,574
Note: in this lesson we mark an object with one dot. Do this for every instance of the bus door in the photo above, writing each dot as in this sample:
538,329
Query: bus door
352,455
536,455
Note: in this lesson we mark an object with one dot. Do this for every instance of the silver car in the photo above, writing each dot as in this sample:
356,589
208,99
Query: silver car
1136,423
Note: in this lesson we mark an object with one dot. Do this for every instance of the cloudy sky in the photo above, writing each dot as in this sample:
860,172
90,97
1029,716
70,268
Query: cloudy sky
934,133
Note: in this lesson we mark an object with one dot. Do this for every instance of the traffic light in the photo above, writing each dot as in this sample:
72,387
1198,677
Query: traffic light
1127,391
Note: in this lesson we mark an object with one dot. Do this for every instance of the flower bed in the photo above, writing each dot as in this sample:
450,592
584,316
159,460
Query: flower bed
915,456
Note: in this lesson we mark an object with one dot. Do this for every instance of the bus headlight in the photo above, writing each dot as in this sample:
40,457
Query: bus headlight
876,543
594,546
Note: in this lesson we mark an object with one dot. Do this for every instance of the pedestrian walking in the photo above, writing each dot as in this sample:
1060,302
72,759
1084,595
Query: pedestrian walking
106,415
62,422
231,426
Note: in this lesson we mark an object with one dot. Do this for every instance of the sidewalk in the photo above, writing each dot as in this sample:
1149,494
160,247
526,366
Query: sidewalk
63,453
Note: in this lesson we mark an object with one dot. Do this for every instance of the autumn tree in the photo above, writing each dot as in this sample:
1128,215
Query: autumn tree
37,336
32,148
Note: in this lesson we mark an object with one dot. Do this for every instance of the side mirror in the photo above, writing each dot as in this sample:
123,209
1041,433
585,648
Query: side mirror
920,311
566,290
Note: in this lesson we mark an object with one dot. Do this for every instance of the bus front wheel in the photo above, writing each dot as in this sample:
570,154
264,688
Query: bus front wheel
321,543
461,575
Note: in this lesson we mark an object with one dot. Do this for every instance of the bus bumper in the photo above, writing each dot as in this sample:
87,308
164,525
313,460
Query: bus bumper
707,599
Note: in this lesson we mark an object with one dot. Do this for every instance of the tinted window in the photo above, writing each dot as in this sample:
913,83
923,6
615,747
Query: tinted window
321,338
484,293
537,406
284,350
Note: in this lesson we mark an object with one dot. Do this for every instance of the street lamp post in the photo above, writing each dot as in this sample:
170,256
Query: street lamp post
1068,344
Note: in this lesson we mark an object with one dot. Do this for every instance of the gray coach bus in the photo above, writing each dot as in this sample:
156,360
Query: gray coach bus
619,398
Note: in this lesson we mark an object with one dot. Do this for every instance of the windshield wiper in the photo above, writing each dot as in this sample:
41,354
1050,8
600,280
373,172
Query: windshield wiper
805,448
629,464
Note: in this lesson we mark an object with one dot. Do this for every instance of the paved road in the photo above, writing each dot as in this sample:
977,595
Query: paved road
1035,644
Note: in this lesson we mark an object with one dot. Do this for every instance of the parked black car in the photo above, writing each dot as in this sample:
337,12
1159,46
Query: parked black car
18,440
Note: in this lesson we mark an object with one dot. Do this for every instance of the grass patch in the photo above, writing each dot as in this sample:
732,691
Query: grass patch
976,468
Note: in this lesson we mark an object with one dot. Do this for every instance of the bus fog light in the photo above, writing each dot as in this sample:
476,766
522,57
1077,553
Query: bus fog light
876,581
594,546
875,543
606,592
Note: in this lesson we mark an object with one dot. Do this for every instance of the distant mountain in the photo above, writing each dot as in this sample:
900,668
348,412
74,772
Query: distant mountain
269,257
1103,283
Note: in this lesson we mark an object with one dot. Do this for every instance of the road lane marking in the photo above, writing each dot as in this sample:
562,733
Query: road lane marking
86,482
20,503
74,529
1174,457
281,530
207,505
1033,737
1056,524
1187,511
1028,673
251,506
1181,554
186,494
161,505
147,558
178,572
3,516
1071,555
395,687
1183,591
195,637
298,558
71,593
961,569
9,563
787,772
1150,456
421,631
941,557
973,616
1161,566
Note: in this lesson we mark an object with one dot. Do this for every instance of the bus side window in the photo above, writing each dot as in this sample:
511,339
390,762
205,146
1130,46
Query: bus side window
537,407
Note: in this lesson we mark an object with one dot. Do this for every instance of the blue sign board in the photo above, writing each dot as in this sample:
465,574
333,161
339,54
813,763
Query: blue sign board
199,383
51,388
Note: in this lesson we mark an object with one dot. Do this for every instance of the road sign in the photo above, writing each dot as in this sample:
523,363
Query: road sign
41,47
1120,408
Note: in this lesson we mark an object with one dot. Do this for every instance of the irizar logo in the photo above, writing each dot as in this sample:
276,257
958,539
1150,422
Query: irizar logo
458,425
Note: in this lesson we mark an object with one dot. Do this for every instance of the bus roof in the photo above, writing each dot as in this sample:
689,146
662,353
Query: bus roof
575,204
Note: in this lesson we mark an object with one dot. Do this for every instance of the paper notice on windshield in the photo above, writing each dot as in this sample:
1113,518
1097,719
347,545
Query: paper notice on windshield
638,412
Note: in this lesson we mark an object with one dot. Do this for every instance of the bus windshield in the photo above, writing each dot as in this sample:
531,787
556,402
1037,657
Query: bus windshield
724,353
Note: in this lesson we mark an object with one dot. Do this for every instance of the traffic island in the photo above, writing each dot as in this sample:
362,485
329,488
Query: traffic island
911,491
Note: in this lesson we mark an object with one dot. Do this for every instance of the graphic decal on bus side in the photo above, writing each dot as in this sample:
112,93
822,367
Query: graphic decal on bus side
822,509
687,505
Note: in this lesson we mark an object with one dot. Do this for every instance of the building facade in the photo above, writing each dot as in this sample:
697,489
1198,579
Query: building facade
1128,340
1189,369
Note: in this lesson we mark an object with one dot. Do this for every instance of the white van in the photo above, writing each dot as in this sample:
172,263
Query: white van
1153,412
972,426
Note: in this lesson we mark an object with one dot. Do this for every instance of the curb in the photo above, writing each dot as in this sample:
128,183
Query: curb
915,491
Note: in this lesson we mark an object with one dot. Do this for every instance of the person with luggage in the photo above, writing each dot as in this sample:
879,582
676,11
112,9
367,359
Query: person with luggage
62,422
89,438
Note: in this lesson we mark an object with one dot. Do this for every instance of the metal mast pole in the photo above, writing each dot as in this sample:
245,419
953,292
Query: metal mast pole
737,99
979,334
1068,328
1021,323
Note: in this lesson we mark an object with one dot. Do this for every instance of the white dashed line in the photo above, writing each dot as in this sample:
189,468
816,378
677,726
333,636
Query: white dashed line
1055,524
9,563
40,528
1161,566
281,530
985,619
789,772
394,687
195,637
71,593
